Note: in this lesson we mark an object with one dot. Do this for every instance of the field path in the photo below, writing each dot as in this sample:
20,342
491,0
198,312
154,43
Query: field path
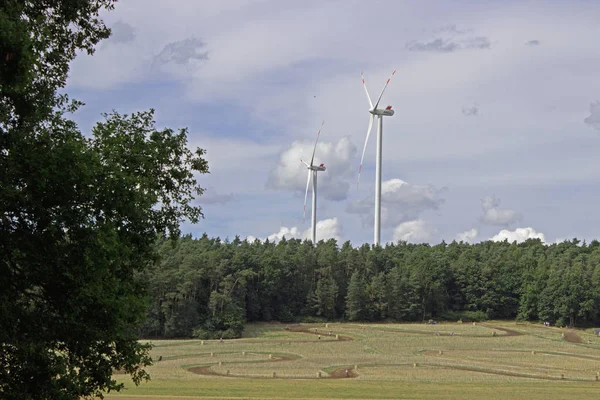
509,332
310,330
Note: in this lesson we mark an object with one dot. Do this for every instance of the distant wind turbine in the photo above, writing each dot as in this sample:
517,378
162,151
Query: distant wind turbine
312,171
380,113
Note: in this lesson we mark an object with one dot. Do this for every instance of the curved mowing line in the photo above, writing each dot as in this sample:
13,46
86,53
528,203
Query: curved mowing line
335,372
276,358
508,332
307,329
478,370
552,353
205,369
169,358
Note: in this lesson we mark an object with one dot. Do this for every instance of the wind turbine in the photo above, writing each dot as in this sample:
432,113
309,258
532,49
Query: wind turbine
312,171
380,113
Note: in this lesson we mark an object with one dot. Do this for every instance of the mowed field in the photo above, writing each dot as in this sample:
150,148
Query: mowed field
493,360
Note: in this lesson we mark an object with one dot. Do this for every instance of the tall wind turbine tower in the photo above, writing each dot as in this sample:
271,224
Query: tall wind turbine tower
380,113
312,172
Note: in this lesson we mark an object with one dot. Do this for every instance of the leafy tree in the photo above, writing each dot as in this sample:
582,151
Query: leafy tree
79,217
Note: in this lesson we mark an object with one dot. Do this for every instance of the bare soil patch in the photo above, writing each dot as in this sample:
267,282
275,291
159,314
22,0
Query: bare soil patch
572,337
340,373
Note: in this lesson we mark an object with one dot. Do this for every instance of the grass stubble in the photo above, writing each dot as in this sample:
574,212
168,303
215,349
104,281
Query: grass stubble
495,360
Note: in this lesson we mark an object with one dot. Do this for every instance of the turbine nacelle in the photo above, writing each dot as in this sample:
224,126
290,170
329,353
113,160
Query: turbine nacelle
386,112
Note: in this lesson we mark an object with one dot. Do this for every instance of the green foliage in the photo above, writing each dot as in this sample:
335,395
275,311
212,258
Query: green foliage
235,282
355,302
79,216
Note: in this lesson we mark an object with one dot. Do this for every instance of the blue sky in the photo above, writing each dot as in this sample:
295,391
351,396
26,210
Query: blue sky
496,132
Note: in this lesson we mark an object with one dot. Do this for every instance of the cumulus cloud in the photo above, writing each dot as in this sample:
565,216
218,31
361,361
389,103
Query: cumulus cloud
211,196
520,235
121,32
326,229
493,215
182,52
400,202
533,43
417,231
594,119
467,236
333,184
470,111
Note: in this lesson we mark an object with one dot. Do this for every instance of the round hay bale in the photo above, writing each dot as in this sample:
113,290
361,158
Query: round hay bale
220,363
212,354
319,374
270,356
274,374
414,365
202,342
533,353
243,353
227,373
337,337
441,352
562,376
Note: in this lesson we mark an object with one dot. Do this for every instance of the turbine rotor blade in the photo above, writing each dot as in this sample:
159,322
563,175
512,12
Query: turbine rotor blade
366,91
304,162
315,149
306,194
365,148
386,84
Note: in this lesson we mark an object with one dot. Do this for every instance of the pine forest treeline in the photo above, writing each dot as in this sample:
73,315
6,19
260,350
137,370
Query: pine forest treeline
208,288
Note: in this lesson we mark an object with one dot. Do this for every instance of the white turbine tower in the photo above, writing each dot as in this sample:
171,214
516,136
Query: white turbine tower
380,113
312,171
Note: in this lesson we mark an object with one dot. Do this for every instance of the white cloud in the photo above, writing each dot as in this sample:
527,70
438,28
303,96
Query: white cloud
594,119
400,202
326,229
417,231
519,235
288,233
333,184
492,215
467,236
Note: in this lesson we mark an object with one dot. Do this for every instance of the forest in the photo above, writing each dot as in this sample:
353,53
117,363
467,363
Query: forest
209,288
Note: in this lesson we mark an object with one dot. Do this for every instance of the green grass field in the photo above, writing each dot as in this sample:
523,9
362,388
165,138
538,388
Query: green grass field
495,360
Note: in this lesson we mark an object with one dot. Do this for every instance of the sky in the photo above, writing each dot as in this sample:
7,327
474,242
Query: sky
496,131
